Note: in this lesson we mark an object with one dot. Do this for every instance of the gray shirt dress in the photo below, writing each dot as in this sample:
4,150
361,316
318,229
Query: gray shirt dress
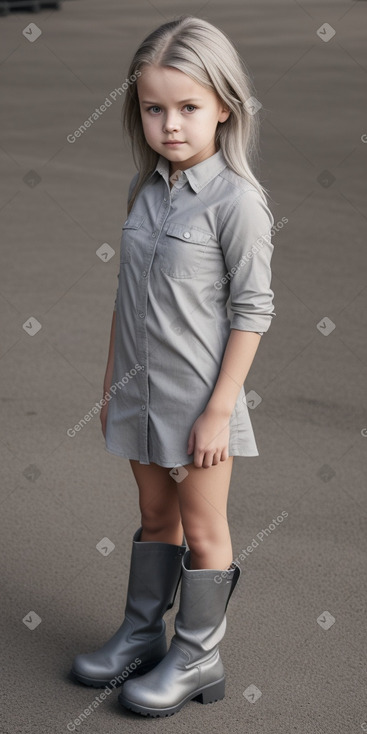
185,252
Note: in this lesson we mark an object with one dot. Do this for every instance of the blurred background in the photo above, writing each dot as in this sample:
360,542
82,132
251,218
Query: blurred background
296,625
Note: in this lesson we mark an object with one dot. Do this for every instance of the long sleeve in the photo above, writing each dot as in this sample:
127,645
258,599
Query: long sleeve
245,238
131,186
115,304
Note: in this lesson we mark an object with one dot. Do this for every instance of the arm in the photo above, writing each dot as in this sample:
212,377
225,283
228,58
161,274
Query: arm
111,351
245,238
108,374
110,358
237,360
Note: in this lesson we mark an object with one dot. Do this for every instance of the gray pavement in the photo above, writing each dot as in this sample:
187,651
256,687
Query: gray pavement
297,621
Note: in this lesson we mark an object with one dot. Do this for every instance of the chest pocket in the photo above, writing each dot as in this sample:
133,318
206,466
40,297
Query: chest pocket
129,237
182,251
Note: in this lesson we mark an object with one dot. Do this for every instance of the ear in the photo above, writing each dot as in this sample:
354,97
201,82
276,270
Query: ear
224,114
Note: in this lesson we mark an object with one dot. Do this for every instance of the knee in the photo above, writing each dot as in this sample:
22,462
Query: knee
199,541
156,520
202,541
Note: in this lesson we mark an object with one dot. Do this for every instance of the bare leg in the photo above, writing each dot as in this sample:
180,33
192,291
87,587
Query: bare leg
202,497
158,501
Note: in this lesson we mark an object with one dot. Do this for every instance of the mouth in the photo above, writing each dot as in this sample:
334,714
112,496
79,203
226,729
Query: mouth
174,142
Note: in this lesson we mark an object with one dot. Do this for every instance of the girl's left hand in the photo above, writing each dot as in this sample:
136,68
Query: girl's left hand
209,438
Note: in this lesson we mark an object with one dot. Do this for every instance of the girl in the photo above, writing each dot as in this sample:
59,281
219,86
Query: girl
197,234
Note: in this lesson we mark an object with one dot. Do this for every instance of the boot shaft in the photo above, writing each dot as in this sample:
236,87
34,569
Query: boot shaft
200,623
155,572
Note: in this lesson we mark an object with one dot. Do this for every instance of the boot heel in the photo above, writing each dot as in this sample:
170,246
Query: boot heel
212,693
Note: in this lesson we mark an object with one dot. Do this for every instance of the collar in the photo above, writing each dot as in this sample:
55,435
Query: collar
198,176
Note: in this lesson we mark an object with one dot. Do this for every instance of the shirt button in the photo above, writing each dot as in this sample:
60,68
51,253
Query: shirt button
143,407
187,235
141,314
154,234
144,273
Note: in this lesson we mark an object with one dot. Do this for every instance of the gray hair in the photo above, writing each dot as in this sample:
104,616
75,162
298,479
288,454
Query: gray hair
203,52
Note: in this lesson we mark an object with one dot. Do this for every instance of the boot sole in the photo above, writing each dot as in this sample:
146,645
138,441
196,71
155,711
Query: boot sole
98,683
206,694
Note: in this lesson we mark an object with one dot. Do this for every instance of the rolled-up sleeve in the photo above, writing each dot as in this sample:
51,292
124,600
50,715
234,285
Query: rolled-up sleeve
245,239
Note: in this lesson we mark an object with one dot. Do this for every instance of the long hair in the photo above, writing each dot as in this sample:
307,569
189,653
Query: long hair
204,53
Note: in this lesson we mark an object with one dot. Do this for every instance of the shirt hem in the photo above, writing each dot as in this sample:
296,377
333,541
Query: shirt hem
170,465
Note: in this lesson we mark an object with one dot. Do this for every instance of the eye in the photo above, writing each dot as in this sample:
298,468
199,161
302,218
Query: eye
158,109
153,107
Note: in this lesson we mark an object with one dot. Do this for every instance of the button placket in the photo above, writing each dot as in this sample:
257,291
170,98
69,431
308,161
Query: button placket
142,338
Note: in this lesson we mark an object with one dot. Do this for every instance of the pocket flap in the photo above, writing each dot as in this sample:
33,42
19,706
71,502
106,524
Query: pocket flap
188,234
133,222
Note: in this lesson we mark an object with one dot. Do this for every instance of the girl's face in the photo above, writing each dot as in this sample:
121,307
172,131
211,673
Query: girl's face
174,107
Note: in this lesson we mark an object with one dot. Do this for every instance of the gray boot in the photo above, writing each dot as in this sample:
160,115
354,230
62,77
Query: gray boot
140,642
192,667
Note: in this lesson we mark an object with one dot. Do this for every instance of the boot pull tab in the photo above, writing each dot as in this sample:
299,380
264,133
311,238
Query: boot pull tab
235,577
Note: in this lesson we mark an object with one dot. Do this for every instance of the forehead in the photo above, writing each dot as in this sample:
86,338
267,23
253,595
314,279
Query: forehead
168,83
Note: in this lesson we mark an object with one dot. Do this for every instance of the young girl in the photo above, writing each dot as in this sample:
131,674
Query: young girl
197,235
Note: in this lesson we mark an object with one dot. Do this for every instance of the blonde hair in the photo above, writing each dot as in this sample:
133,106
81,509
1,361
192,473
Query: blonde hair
205,54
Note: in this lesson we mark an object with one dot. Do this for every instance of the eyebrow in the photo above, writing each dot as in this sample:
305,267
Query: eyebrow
190,99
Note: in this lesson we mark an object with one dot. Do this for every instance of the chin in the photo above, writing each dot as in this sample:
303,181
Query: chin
175,155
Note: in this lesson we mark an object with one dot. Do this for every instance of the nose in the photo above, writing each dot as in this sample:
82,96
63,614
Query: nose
171,122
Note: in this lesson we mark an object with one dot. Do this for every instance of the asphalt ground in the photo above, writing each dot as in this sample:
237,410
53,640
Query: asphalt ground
296,624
